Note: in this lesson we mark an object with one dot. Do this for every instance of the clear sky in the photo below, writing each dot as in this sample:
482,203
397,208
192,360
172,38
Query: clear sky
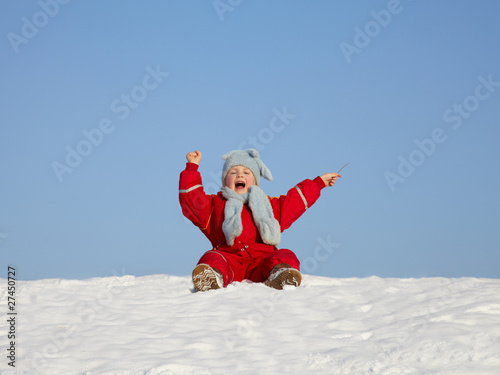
101,101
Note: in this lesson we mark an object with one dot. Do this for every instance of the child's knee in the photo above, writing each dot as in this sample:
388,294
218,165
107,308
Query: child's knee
219,262
285,256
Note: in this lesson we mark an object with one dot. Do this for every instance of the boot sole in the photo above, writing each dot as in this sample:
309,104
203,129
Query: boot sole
287,277
204,278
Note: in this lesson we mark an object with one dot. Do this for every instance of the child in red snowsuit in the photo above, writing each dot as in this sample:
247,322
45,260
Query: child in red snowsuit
243,224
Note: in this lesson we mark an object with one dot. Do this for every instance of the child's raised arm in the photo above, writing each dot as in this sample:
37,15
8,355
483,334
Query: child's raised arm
330,178
194,157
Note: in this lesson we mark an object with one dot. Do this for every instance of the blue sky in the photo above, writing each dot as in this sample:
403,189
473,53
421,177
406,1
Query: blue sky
101,101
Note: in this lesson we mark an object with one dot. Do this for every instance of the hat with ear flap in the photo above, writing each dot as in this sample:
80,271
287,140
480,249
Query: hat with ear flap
248,158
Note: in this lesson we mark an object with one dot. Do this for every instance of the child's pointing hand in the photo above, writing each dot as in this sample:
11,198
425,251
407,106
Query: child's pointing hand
330,178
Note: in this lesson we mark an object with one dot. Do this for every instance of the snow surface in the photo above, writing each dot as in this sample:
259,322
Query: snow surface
156,325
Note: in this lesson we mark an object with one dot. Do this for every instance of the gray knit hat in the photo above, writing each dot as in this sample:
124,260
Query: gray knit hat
247,158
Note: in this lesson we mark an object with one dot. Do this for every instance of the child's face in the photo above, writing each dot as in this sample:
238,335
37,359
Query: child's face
239,179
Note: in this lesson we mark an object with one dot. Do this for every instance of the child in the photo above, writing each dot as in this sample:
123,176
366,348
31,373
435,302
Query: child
243,224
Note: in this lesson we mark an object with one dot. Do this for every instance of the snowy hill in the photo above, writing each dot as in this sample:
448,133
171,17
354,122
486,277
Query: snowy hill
155,325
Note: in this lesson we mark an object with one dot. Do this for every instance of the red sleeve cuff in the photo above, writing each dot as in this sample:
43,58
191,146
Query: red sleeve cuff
191,166
319,182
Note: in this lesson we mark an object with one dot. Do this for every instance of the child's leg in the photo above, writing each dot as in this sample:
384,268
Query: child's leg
261,268
226,263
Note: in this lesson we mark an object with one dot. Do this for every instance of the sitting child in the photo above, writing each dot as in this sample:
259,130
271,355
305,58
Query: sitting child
243,224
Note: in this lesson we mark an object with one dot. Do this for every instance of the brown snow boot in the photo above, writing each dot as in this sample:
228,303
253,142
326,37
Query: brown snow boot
283,274
207,278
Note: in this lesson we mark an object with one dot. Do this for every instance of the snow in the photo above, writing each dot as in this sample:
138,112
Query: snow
156,325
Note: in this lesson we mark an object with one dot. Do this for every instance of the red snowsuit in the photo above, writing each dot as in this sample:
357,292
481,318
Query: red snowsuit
249,258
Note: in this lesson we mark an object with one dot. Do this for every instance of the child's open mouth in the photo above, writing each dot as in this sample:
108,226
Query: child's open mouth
240,185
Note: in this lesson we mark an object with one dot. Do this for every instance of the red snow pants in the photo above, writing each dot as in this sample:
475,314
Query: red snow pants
253,262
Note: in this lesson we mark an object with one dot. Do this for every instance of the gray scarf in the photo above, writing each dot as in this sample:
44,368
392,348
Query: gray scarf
262,212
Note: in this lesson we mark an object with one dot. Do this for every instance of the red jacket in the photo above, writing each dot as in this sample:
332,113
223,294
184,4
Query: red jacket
207,211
